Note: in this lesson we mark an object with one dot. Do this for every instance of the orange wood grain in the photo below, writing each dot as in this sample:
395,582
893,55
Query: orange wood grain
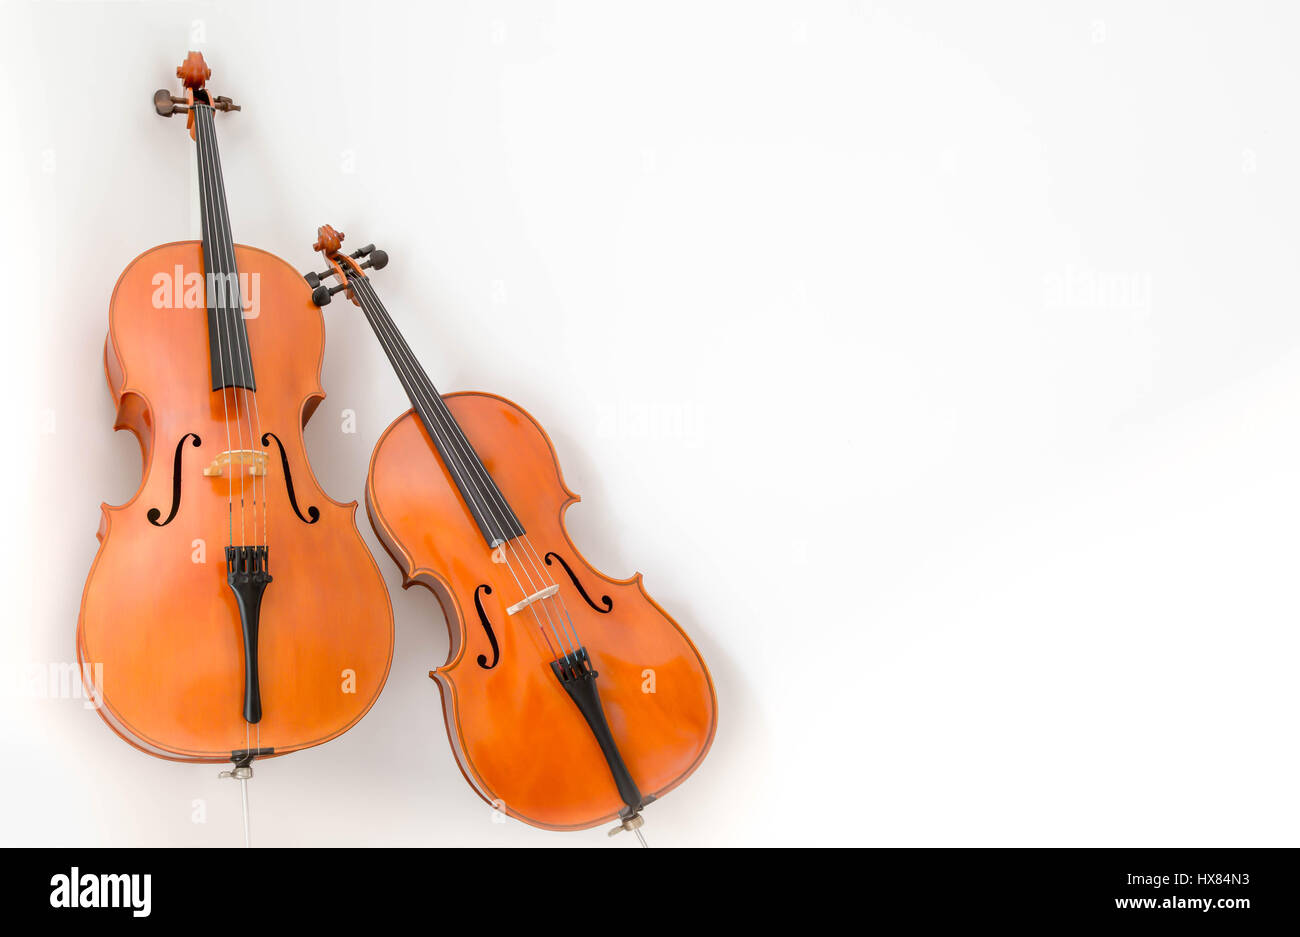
166,628
517,736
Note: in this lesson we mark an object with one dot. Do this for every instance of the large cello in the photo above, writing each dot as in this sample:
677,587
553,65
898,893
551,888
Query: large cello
571,698
232,611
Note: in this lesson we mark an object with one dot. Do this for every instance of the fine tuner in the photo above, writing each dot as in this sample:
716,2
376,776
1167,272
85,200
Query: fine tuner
329,242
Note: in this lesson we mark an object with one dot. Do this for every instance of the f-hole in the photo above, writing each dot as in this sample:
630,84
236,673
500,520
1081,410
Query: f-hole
492,637
154,513
312,512
485,589
605,600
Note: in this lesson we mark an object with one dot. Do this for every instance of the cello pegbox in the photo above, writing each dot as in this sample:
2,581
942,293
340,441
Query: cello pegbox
194,74
329,242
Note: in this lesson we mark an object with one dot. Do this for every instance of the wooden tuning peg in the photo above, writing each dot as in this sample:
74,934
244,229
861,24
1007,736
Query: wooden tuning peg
167,104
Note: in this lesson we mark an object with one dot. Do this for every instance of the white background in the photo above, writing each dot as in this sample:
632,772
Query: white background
938,365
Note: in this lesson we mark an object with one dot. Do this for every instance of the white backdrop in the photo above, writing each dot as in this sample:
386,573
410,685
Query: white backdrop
938,364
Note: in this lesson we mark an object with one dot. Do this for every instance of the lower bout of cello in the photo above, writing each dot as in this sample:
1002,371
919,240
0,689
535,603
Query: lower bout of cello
518,736
523,742
163,658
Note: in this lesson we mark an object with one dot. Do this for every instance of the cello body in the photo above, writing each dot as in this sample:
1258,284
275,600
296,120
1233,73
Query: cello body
159,623
518,738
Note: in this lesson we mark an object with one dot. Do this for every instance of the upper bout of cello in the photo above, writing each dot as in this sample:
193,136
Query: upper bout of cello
505,433
158,331
522,459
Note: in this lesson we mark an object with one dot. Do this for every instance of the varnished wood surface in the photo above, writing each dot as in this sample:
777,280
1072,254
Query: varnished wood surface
165,628
517,736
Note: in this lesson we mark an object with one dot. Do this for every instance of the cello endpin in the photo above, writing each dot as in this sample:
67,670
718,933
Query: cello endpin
632,824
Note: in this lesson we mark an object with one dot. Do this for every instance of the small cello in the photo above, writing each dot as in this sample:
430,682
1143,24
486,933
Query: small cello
232,611
570,698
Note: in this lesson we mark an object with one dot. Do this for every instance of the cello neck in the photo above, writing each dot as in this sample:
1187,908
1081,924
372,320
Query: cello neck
493,515
231,358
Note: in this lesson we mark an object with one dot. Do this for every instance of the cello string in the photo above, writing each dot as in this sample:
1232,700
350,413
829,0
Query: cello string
225,252
410,369
225,412
203,123
472,493
245,356
234,309
255,419
464,461
490,488
225,327
411,378
405,363
468,456
557,598
471,458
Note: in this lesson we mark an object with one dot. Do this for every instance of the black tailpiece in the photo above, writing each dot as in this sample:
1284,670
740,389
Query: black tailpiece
247,575
579,681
